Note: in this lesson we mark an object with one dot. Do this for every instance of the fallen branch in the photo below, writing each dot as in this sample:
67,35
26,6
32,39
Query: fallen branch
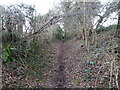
52,21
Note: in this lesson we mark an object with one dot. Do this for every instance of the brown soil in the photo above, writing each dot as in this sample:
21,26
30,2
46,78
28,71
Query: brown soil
71,67
63,60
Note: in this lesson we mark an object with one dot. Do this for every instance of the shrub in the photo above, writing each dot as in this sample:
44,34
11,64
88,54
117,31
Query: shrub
103,29
61,35
8,54
10,37
100,29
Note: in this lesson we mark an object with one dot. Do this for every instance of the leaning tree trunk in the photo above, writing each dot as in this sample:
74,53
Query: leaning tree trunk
118,41
9,27
85,29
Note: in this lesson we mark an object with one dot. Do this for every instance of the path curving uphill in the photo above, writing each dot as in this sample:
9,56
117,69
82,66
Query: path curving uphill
58,78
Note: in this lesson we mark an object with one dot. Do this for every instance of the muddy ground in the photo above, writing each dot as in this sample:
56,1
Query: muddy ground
64,60
73,67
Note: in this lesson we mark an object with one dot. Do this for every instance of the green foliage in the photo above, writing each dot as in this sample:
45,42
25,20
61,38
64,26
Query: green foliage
87,73
36,60
96,56
88,86
100,29
114,26
31,54
103,29
61,35
91,62
8,55
10,37
88,70
28,57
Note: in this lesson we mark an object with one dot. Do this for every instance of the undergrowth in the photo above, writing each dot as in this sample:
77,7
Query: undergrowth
25,60
105,54
61,35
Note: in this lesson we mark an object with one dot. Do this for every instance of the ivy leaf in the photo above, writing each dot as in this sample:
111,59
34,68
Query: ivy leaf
87,75
100,49
96,56
12,48
88,86
8,61
5,56
13,59
92,62
88,70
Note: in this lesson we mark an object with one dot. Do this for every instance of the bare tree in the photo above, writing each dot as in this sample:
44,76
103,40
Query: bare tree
118,36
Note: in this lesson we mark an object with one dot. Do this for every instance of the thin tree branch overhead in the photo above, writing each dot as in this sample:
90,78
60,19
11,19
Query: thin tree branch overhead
52,21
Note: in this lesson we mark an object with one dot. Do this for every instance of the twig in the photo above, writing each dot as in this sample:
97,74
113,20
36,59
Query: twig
111,73
52,21
117,78
97,75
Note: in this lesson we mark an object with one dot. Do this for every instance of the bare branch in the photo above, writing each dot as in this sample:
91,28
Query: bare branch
52,21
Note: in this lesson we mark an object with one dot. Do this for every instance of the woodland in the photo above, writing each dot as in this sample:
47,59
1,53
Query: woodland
71,46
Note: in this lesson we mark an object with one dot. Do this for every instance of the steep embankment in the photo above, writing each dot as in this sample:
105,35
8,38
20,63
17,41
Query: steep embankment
76,67
63,60
57,77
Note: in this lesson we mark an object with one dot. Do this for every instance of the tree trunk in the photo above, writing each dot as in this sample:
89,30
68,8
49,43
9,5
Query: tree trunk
9,27
118,41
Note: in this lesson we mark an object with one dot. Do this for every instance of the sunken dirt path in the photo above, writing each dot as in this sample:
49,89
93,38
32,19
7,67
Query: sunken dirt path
63,59
70,63
58,77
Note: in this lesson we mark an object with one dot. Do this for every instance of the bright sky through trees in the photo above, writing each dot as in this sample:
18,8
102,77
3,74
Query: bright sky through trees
43,6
